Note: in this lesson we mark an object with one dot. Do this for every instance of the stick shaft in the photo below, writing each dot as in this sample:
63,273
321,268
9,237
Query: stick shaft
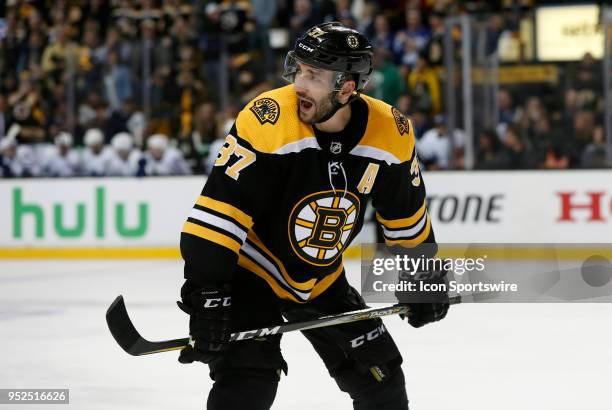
132,342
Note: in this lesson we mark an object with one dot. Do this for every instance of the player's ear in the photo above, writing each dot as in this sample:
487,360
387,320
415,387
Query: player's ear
348,88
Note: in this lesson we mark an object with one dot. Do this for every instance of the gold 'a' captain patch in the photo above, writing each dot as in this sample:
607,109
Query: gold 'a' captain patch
266,110
402,122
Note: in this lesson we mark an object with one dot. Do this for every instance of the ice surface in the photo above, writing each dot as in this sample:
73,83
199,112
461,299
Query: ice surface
521,356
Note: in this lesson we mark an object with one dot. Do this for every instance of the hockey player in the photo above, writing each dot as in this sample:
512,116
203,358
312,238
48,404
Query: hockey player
163,159
18,160
123,158
62,160
11,164
95,154
286,196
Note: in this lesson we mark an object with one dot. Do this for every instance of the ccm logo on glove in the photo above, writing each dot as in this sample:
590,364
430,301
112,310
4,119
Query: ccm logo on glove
216,302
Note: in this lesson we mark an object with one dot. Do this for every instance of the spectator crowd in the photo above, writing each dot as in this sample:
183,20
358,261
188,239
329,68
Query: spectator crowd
135,87
62,159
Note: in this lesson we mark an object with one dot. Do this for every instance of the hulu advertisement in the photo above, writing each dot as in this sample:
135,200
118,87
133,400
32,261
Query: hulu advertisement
82,213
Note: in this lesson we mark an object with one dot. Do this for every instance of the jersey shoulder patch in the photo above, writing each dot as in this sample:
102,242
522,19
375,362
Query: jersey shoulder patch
270,122
403,125
266,110
389,135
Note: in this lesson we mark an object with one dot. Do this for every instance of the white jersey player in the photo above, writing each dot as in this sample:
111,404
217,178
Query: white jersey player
123,158
62,160
162,159
11,163
95,154
19,160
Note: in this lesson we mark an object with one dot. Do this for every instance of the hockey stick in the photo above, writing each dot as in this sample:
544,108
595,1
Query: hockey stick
129,339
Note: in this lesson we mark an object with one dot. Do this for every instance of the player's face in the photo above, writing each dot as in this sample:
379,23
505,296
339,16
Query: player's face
96,148
313,87
156,153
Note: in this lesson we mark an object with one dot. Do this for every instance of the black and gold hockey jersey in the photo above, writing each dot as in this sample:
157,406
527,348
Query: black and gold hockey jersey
284,200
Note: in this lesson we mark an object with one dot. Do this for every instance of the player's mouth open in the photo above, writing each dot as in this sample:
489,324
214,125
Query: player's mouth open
305,105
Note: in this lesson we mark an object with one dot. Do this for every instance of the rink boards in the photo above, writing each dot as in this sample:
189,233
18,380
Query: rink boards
142,218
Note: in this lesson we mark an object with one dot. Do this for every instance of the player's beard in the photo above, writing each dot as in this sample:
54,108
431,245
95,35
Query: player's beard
318,110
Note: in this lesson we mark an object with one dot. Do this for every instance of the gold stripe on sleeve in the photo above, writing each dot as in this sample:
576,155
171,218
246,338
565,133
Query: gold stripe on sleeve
213,236
404,222
226,209
414,241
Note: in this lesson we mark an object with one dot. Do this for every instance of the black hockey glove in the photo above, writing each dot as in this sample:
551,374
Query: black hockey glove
426,305
209,324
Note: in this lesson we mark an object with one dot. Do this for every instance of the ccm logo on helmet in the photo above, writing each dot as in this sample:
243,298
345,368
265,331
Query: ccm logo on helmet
305,47
358,341
216,302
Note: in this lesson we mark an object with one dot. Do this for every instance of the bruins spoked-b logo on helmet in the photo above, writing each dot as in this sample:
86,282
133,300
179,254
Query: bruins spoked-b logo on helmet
334,47
321,224
352,41
266,110
402,122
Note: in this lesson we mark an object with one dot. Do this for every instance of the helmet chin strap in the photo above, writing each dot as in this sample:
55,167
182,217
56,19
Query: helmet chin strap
336,106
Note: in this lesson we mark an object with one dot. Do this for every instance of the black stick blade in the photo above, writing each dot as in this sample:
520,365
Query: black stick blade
121,326
127,336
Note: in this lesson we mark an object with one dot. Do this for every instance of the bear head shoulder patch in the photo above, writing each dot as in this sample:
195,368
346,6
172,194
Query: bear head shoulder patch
266,110
402,122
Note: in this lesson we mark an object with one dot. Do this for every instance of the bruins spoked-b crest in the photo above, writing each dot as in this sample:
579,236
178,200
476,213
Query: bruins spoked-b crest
352,41
266,110
321,224
402,122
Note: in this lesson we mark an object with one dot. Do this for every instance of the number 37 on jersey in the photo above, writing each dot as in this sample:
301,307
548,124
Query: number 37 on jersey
232,148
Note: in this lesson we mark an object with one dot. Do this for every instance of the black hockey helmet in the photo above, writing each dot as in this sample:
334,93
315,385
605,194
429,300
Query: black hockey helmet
335,47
